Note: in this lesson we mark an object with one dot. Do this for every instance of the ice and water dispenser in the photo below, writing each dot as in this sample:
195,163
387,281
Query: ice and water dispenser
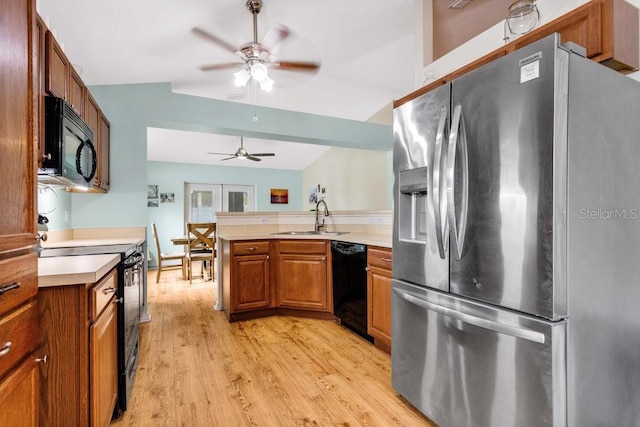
412,204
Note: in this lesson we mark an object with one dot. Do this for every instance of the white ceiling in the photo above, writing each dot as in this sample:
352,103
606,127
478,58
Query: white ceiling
366,48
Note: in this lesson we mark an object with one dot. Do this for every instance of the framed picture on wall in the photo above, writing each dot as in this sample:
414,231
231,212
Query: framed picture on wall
167,197
152,191
279,196
152,203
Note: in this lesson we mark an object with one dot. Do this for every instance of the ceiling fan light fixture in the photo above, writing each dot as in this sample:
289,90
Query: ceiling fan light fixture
241,77
259,72
266,85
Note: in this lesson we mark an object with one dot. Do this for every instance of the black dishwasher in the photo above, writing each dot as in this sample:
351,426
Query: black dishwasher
349,263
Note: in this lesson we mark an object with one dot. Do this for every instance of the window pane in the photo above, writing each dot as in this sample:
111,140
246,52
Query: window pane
238,201
202,206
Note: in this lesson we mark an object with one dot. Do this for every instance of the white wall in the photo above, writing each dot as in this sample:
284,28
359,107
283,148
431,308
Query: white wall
354,179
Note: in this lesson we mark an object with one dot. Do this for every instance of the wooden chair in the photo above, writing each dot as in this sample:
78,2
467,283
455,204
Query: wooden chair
162,257
201,247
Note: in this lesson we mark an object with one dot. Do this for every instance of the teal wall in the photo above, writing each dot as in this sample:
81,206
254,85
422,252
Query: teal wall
170,178
132,108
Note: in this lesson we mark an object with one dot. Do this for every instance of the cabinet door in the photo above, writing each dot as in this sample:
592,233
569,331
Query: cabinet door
302,282
252,289
379,304
17,163
103,147
19,395
56,68
39,48
76,92
103,366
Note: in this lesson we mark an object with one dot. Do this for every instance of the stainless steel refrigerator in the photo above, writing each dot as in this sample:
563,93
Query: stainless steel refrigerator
516,261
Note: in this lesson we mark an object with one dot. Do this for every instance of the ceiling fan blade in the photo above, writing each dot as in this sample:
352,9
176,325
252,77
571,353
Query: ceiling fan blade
229,158
274,36
215,39
225,66
223,154
261,154
255,159
310,67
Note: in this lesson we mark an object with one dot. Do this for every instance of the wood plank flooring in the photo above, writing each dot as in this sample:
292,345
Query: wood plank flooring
197,369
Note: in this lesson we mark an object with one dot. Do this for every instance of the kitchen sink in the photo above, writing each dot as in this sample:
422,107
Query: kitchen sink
310,233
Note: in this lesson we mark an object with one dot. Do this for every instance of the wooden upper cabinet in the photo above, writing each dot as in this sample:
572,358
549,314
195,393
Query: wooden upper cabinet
103,146
607,29
56,68
91,113
76,92
38,54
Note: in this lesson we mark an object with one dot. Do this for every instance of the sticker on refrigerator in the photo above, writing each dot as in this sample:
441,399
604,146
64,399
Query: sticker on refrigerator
530,67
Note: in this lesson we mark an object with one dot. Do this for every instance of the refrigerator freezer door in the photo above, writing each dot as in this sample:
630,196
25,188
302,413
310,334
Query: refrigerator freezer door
512,112
469,364
603,257
420,246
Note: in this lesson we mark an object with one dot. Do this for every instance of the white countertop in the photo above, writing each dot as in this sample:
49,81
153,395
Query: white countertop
92,242
370,239
73,270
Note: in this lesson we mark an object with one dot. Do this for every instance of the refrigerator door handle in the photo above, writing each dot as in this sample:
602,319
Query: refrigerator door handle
457,135
502,328
438,194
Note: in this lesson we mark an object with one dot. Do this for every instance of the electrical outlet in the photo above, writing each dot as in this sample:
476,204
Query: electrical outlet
264,220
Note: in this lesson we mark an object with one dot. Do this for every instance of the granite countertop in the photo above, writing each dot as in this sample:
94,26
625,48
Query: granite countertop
371,239
73,270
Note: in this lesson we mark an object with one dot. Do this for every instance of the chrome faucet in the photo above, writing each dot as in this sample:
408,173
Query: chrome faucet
320,226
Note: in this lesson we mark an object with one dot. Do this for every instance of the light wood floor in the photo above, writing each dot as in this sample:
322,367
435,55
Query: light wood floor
197,369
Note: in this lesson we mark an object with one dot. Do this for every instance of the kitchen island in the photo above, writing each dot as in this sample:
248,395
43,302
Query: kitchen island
275,263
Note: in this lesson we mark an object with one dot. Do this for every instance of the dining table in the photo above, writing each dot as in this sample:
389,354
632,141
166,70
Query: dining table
180,241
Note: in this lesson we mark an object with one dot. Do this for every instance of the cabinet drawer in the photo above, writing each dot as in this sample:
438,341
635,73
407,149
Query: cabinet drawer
250,248
378,257
102,293
18,335
21,270
307,247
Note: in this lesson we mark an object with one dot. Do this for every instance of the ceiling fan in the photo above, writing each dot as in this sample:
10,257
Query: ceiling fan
244,154
257,58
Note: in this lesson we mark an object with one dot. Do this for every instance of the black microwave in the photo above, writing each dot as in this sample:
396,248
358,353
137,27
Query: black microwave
69,153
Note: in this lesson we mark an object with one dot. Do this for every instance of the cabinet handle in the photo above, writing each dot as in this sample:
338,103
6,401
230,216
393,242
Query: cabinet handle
109,290
252,249
386,259
6,348
46,156
7,288
44,359
366,269
267,257
119,300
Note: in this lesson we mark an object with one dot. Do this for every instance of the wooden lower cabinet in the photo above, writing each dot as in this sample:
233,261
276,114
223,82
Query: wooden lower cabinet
250,276
79,334
19,395
303,275
103,365
379,296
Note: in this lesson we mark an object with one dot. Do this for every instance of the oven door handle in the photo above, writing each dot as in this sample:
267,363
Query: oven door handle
515,331
134,260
